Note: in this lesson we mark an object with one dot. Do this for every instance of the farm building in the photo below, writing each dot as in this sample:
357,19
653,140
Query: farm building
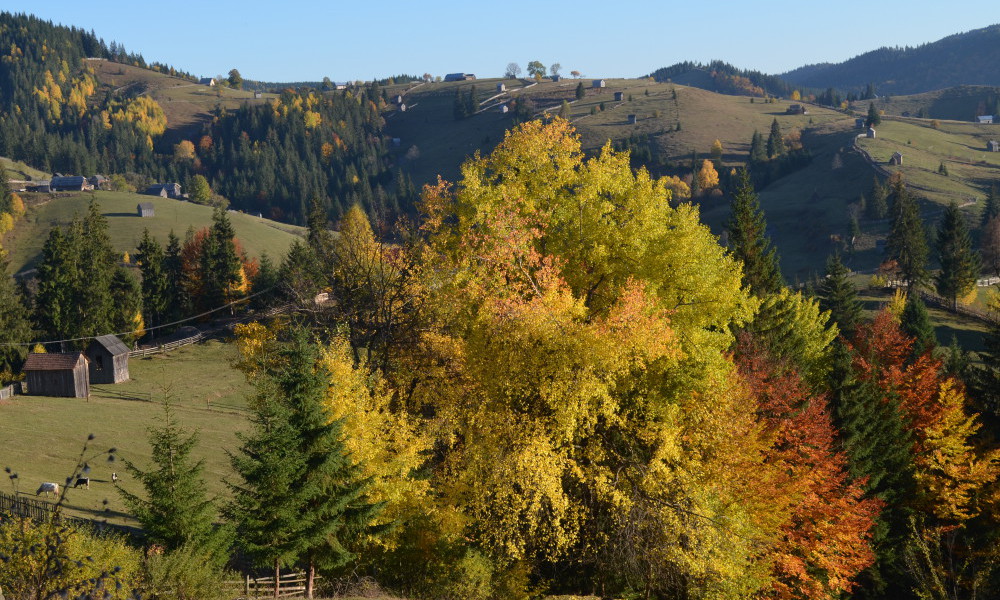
38,186
62,374
504,109
209,81
993,146
501,87
859,123
459,77
100,182
631,119
108,358
985,119
896,159
796,109
619,96
72,183
258,95
871,132
556,78
402,107
164,190
399,99
145,209
598,83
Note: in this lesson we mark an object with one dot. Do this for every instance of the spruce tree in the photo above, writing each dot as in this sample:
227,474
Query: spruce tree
758,151
265,283
916,323
991,207
150,257
126,300
907,241
6,197
178,304
580,91
97,261
879,206
15,324
960,264
220,267
775,141
564,110
174,507
838,295
986,377
873,119
748,241
57,279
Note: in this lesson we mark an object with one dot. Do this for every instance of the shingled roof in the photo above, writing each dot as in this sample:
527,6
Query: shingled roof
112,344
54,361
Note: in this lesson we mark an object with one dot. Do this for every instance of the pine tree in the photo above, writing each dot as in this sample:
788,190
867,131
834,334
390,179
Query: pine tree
265,283
176,510
879,206
150,257
758,151
220,265
873,119
126,298
57,276
15,324
838,295
6,197
97,262
907,242
580,91
775,141
960,264
748,241
991,207
916,323
178,304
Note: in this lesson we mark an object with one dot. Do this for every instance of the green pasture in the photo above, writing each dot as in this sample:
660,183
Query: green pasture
41,438
24,244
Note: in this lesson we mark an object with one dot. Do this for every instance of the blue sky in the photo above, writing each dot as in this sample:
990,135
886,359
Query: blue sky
298,40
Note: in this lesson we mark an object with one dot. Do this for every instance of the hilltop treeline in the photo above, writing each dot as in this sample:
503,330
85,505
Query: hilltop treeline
271,158
728,79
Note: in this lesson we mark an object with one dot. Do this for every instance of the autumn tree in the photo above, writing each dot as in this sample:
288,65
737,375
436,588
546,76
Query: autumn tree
199,191
536,69
716,151
708,177
960,265
513,71
748,240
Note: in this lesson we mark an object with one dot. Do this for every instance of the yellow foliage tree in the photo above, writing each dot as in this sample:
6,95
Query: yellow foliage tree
796,95
708,177
184,150
6,222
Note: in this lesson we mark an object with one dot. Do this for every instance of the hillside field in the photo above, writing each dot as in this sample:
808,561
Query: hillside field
207,394
25,243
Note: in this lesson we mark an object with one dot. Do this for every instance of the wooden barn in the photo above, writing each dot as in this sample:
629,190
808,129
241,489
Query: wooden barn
61,374
164,190
145,209
108,358
71,183
501,87
619,96
993,146
631,119
896,159
871,133
597,83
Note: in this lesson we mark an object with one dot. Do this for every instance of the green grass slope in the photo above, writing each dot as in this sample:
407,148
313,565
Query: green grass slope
41,437
24,244
960,103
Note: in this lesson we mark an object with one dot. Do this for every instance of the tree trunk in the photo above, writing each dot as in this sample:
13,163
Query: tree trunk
277,578
310,579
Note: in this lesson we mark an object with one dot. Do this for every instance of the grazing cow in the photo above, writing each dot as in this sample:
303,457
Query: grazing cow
82,481
114,477
48,488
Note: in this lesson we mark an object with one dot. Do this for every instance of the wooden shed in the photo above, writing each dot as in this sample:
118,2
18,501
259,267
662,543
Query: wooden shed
556,78
108,357
859,123
62,374
501,87
631,119
145,209
896,159
597,83
871,132
993,146
619,96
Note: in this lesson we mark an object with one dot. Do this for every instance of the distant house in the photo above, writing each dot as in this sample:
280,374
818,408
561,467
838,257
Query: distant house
100,182
896,159
71,183
501,87
108,360
62,374
402,107
164,190
39,186
504,109
459,77
871,133
859,123
598,83
631,119
145,209
796,109
470,77
556,78
993,146
340,86
258,95
985,119
209,81
619,96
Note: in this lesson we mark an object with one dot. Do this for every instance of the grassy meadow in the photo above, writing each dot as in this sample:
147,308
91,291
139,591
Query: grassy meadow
41,438
25,242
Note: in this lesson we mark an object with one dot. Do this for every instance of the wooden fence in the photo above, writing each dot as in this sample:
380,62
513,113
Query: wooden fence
29,508
290,585
143,352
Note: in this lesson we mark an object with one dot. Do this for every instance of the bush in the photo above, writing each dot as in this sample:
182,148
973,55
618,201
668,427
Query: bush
187,573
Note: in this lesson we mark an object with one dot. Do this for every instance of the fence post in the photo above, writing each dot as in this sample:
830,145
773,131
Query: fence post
246,586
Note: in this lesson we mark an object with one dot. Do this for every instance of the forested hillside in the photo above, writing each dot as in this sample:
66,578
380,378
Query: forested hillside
971,58
722,77
56,115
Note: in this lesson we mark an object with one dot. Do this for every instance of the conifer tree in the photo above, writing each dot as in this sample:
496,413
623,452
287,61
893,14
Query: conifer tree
907,242
57,278
879,206
174,507
758,151
748,241
960,264
178,304
838,295
125,292
220,265
150,257
916,323
6,197
564,110
15,324
873,119
97,260
991,208
580,91
775,141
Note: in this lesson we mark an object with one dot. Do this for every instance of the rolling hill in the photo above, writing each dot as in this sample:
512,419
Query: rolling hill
970,58
24,243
